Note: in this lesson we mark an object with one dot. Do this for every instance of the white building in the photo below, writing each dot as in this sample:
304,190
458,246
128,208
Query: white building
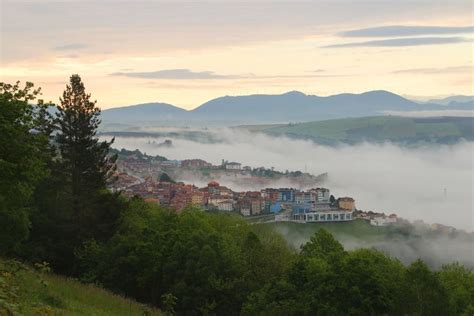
221,203
245,211
233,166
227,205
322,195
383,220
324,216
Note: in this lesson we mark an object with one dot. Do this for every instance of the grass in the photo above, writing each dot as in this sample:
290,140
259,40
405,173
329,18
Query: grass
377,128
297,233
28,291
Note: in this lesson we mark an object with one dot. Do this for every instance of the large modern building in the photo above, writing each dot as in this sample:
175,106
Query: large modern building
323,216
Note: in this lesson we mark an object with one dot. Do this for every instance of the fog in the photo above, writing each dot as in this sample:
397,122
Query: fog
432,183
432,113
435,250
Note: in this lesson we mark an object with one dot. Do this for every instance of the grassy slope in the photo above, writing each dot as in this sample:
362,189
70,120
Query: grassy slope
297,234
377,128
25,291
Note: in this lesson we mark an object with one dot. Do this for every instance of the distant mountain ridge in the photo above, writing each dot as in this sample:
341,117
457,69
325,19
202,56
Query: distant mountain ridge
293,106
452,100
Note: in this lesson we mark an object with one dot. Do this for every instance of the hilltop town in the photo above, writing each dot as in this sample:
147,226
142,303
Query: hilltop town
149,177
201,172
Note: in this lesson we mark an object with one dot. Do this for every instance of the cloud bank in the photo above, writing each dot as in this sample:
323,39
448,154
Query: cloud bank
433,71
400,42
406,30
381,177
177,74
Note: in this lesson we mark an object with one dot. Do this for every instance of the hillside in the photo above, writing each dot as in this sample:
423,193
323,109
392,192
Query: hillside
379,129
292,106
404,241
27,291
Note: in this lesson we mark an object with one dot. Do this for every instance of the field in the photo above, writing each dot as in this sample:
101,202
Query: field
378,129
28,291
296,233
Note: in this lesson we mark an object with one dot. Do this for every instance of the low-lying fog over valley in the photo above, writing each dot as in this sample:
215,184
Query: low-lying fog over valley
429,183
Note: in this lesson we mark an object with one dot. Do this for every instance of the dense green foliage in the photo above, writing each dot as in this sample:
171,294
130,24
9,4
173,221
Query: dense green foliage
54,207
23,148
124,153
207,261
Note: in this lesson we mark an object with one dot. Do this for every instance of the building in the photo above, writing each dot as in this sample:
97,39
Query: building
286,195
198,198
383,220
195,163
307,197
170,164
346,203
233,166
324,216
323,195
270,194
257,206
245,211
275,207
225,205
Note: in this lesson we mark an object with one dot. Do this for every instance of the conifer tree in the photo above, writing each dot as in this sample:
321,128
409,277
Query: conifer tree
85,164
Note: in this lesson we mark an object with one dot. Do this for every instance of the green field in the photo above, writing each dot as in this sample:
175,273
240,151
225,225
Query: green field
378,129
297,233
27,291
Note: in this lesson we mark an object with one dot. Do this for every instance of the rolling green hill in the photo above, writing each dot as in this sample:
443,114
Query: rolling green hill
379,129
28,291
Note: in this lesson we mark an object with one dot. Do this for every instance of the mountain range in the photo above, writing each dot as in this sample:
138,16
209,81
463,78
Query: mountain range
292,106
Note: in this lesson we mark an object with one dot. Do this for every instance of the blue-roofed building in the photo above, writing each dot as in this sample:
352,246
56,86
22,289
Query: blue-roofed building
275,207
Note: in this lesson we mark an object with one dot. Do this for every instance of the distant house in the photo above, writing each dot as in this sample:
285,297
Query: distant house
226,205
383,220
233,166
346,203
245,211
195,163
170,164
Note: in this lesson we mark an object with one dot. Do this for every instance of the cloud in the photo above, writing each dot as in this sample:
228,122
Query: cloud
399,42
405,30
186,74
178,74
72,46
190,25
381,177
430,71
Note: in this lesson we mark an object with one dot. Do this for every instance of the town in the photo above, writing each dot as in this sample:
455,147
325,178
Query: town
139,175
199,171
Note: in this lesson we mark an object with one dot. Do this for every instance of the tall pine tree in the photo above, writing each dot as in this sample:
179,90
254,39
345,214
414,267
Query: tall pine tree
85,165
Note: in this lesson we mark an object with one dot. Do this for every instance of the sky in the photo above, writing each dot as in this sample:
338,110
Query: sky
188,52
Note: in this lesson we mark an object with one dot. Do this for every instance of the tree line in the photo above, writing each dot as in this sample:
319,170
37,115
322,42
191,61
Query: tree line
55,208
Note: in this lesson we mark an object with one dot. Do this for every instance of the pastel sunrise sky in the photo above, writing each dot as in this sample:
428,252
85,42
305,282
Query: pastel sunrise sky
188,52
